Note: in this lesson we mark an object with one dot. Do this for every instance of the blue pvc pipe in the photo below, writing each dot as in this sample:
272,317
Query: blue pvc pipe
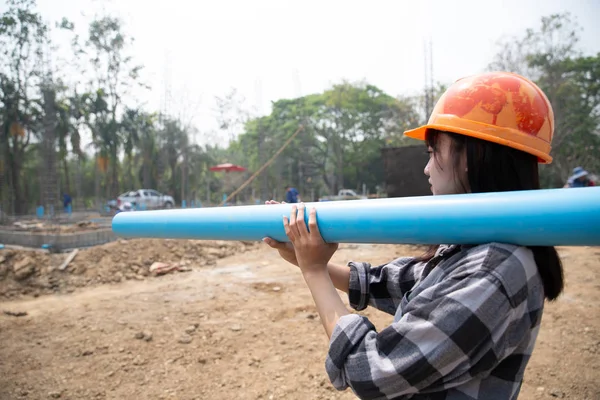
538,217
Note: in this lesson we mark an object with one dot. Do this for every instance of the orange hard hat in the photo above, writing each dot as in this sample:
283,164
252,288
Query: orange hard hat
500,107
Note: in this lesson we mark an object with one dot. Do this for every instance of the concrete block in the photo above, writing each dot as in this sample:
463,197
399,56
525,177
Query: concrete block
60,241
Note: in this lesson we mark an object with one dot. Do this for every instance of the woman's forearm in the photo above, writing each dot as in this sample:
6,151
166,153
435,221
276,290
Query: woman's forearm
329,304
340,276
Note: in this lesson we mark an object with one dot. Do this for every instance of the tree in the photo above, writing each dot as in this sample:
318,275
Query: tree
550,57
148,151
355,122
344,129
231,114
115,75
173,139
133,124
22,36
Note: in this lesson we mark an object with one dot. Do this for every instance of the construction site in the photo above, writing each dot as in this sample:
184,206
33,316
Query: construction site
87,314
183,319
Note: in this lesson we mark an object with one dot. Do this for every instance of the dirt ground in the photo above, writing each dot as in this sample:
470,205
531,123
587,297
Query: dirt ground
239,323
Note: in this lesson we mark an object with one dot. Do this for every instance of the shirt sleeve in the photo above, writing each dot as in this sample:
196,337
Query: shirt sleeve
382,287
448,333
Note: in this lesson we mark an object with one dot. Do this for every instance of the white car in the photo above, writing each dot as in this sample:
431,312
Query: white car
146,199
344,194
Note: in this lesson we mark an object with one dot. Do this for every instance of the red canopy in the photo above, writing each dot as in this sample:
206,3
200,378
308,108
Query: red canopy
228,167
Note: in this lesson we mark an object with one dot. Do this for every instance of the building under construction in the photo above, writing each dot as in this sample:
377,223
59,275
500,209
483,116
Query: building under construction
403,168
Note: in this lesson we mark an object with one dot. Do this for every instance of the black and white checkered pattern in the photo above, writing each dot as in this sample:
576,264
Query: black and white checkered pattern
463,329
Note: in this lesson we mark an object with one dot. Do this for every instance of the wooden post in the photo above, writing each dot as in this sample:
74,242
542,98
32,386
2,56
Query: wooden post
265,165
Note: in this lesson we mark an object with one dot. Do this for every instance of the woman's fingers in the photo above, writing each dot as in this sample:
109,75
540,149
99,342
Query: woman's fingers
270,242
312,223
302,231
274,243
288,231
288,225
294,221
271,202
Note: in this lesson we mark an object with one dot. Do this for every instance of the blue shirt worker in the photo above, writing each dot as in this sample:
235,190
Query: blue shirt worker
292,195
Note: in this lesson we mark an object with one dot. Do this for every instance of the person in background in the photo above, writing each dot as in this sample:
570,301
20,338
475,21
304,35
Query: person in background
126,206
67,201
579,178
291,195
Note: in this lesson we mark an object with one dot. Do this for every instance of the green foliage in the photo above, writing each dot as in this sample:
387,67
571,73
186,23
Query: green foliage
344,128
571,81
22,37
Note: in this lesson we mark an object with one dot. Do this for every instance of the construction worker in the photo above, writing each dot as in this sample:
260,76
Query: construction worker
125,207
466,317
579,178
67,203
291,195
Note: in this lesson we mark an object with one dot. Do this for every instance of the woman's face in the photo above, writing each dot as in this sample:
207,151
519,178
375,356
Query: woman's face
443,177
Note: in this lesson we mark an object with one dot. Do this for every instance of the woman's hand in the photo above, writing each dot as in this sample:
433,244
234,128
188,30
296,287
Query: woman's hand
286,250
309,251
312,253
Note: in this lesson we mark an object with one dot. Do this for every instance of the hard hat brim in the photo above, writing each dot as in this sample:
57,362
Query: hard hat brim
420,133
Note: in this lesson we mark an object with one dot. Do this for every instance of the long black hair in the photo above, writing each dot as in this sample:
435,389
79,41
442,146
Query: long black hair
493,167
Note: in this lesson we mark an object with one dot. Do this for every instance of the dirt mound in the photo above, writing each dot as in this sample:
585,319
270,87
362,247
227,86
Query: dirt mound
34,272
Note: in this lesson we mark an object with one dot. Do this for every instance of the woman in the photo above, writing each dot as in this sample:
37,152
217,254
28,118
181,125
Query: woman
466,317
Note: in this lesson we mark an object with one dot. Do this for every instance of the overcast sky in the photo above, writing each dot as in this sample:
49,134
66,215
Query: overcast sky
270,50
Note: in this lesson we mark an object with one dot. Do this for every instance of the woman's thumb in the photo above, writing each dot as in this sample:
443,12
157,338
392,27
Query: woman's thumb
273,243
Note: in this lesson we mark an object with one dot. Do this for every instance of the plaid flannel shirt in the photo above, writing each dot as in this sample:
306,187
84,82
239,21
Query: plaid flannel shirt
465,324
